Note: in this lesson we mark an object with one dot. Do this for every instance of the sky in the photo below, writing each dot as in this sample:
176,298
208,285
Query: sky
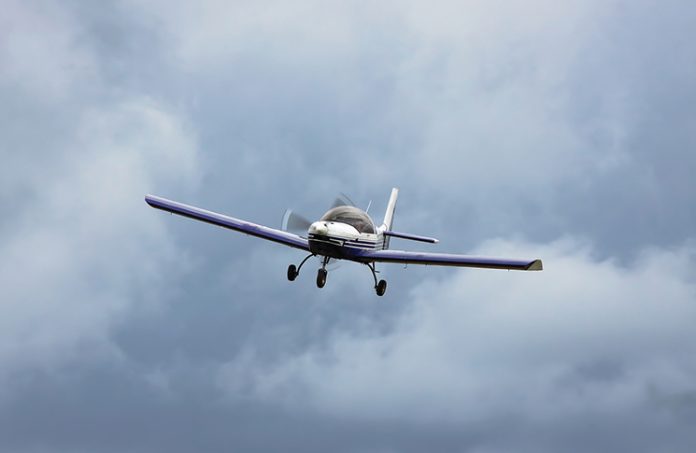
564,131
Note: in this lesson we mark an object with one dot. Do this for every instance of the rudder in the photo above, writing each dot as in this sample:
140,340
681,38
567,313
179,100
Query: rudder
389,215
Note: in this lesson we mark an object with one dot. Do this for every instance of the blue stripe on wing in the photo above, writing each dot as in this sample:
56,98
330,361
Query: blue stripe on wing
446,259
231,223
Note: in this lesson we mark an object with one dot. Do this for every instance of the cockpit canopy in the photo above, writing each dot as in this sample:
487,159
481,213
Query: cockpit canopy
352,216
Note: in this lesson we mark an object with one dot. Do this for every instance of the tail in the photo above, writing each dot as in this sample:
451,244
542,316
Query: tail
389,215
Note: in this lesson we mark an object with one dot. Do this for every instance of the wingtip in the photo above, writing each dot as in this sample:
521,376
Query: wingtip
536,265
150,199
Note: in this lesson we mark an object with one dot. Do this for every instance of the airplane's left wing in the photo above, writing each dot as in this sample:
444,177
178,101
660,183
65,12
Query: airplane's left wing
271,234
446,259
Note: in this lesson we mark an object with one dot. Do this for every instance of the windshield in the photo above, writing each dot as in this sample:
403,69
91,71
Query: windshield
352,216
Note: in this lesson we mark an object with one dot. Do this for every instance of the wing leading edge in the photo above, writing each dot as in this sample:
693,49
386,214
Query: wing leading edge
231,223
446,259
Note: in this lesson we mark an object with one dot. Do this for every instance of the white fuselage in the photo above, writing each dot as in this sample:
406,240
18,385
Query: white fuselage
338,239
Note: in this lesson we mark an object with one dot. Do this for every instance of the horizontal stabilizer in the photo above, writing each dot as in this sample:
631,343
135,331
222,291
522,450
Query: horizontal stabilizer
412,237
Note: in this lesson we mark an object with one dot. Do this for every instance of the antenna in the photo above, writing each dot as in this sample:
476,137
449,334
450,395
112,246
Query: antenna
368,206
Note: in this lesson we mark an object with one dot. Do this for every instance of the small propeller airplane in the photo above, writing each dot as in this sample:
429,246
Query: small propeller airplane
346,232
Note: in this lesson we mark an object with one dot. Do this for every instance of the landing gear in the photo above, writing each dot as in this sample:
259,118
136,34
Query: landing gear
293,271
321,275
381,286
321,278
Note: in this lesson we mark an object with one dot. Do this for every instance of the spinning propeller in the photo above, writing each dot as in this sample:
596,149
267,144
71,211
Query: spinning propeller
295,223
298,224
342,200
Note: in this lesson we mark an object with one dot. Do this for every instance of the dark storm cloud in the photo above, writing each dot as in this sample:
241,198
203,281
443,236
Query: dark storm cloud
511,120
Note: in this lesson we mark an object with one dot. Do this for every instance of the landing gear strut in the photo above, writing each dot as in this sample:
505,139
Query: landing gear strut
294,271
381,286
321,275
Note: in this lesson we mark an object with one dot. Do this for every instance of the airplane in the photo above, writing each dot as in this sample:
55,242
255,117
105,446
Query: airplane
346,232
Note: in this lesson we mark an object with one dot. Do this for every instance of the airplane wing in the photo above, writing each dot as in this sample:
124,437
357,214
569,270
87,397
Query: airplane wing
446,259
271,234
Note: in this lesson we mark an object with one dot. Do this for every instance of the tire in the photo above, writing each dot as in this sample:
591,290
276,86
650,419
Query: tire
321,278
292,272
381,287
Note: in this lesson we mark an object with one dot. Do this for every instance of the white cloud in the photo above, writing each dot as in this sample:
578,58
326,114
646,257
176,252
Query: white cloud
79,245
581,337
477,96
41,52
214,33
87,248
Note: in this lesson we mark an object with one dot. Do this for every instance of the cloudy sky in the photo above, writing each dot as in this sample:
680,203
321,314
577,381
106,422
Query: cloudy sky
559,130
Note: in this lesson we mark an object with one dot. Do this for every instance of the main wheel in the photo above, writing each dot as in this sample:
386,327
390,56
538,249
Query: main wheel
321,278
292,272
381,287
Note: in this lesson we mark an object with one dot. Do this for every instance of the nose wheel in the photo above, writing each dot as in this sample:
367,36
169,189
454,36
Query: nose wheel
322,273
321,278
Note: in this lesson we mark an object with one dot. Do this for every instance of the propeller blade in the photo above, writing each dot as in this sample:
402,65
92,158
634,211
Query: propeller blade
294,223
342,200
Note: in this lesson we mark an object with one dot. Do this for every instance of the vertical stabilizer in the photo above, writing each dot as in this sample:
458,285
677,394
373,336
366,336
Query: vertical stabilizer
389,215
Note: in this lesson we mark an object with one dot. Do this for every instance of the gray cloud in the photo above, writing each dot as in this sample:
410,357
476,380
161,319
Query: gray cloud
585,341
585,323
67,268
71,240
524,122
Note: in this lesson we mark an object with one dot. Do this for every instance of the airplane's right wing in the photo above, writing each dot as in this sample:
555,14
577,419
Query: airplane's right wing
192,212
447,259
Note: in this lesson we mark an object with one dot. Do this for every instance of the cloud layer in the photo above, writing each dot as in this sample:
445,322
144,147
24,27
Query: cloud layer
565,131
586,336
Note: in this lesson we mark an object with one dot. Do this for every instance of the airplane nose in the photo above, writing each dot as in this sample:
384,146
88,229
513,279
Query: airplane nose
319,228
